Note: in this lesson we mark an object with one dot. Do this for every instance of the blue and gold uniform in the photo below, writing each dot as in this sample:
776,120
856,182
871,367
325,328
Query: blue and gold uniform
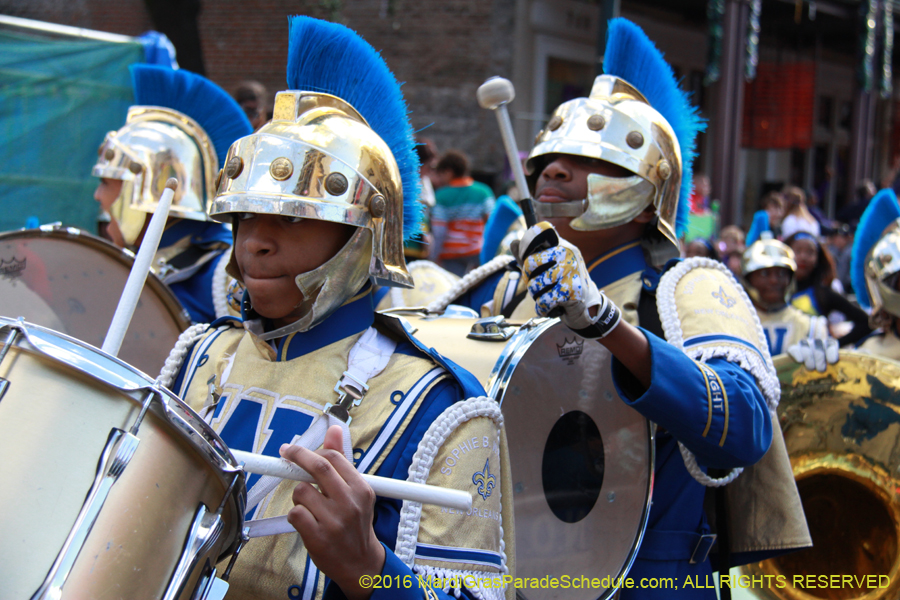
714,406
268,392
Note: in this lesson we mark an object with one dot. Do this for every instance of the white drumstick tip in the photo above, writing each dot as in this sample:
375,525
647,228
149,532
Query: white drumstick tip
172,183
495,92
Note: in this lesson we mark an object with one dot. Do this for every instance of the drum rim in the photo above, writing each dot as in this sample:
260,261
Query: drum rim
169,406
503,370
125,257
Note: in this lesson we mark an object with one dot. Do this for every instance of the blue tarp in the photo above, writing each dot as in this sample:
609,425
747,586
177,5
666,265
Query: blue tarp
59,96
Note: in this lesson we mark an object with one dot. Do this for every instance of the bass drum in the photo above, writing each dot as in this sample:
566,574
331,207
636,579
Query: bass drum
70,281
581,458
842,432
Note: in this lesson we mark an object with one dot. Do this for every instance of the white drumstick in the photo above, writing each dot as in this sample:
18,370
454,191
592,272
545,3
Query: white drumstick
139,271
383,486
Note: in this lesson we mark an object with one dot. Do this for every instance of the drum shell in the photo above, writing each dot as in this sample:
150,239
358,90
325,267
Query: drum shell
55,421
71,281
543,372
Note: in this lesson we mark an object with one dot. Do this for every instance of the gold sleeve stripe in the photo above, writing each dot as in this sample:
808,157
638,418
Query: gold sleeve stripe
725,397
708,397
609,256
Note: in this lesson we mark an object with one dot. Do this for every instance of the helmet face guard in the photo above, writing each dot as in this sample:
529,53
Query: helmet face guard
155,144
617,125
319,159
765,254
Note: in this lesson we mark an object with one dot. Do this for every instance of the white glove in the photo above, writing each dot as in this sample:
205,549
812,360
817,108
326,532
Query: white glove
559,283
818,350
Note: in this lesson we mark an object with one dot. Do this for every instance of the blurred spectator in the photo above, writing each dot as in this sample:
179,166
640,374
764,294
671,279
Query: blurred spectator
812,203
700,196
816,295
731,239
840,244
701,247
428,154
851,213
797,216
461,209
253,97
733,262
768,217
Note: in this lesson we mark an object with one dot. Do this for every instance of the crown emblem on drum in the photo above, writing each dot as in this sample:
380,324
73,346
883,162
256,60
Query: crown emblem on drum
724,298
484,481
11,269
570,349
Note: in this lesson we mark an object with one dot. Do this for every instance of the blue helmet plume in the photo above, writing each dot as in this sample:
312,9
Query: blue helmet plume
881,212
330,58
632,56
215,111
759,226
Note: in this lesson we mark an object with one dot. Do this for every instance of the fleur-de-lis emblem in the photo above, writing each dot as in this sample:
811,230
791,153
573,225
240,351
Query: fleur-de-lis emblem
484,481
724,298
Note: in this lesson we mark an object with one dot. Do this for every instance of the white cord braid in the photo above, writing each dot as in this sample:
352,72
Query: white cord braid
220,281
762,369
408,529
472,278
179,353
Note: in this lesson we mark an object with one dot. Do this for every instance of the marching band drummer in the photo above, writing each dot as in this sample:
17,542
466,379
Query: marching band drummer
181,126
768,274
608,172
875,264
320,199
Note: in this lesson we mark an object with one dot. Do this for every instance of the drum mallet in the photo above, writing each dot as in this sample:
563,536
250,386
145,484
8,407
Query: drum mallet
139,271
494,94
383,486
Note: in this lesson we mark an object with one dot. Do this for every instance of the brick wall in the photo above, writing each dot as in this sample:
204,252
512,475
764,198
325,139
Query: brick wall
442,49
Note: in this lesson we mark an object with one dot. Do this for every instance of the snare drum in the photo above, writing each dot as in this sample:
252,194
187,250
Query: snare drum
581,458
113,487
71,281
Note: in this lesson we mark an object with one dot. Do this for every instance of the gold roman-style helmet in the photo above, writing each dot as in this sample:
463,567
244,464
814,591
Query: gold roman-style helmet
615,124
157,143
763,254
180,126
319,159
881,269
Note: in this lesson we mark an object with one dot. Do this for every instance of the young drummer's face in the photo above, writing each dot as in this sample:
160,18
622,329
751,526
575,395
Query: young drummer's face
771,283
564,178
107,191
271,250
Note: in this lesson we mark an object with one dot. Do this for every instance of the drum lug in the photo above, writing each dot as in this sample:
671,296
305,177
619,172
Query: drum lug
206,528
492,329
7,344
120,448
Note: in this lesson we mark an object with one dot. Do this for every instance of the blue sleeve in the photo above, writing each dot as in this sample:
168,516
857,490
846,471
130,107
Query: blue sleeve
723,430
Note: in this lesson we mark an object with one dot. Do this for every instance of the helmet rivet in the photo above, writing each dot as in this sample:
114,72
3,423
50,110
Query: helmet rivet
554,123
635,139
336,184
135,168
887,258
664,169
234,166
281,168
596,123
376,206
109,154
219,178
